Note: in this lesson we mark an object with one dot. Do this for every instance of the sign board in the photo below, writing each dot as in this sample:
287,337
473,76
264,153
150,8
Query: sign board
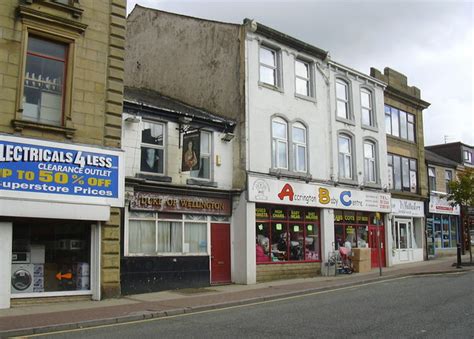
267,190
442,206
407,208
52,171
156,202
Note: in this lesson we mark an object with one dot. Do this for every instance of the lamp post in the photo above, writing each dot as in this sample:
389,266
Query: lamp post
379,250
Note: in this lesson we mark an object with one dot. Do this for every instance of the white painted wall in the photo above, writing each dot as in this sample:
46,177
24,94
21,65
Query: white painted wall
263,103
357,81
131,140
244,262
327,233
6,231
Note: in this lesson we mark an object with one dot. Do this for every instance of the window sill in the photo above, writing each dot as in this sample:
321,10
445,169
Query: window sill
395,138
153,177
197,182
272,87
289,174
345,121
305,97
370,128
350,182
19,125
372,185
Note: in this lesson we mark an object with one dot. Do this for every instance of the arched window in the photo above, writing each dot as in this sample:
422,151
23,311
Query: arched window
366,108
370,169
280,143
299,147
342,99
345,156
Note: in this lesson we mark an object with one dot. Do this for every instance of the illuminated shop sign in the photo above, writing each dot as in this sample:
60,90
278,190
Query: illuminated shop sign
299,194
144,201
37,169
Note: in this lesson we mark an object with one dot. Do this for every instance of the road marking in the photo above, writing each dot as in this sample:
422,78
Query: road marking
226,308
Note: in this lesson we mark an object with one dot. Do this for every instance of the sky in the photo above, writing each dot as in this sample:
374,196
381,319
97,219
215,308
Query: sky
431,42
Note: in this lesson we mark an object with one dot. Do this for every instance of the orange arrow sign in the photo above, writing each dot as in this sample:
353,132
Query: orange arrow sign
60,276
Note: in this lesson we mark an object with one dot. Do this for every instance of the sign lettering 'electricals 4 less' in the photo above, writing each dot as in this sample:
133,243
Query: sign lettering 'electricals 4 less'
58,169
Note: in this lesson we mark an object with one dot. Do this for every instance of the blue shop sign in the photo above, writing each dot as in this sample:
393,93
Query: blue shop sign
59,169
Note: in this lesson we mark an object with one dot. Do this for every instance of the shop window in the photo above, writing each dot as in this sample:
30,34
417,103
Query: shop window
152,147
345,157
269,66
351,229
403,173
370,169
205,156
342,99
445,233
366,106
164,234
44,81
287,234
48,249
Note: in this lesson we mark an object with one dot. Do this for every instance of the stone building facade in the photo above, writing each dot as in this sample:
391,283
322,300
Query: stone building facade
61,93
406,165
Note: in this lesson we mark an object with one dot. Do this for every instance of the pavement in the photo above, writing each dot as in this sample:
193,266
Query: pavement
49,317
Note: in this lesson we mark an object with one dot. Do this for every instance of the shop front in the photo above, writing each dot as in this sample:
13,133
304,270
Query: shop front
53,199
175,239
407,226
300,224
442,227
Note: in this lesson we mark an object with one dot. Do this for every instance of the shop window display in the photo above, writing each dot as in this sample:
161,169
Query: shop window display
286,234
351,229
51,256
443,231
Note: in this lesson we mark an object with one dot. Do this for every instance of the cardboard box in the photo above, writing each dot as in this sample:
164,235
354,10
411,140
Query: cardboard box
362,266
361,254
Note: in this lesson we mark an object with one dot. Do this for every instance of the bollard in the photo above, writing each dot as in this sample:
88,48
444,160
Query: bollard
458,264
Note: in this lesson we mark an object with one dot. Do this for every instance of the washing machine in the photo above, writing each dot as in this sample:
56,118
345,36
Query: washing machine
22,278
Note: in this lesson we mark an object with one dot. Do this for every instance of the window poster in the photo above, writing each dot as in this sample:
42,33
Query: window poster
261,213
191,151
296,215
278,213
311,216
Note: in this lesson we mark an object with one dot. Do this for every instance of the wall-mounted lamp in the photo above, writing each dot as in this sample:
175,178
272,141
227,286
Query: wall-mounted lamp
228,137
134,119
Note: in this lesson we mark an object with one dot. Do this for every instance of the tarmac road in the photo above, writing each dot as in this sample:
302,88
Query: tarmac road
438,306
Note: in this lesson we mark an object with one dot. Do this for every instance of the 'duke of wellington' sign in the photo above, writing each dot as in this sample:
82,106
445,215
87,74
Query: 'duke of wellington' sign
179,203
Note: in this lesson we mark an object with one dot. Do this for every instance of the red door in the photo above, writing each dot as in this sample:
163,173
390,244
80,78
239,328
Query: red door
373,245
220,253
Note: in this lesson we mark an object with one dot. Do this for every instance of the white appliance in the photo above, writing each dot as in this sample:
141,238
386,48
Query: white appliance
22,278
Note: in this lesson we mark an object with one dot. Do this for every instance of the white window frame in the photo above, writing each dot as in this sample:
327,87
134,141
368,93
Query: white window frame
278,142
431,178
345,100
154,146
448,177
297,145
370,108
370,163
467,156
308,79
182,219
347,158
393,115
203,155
275,68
